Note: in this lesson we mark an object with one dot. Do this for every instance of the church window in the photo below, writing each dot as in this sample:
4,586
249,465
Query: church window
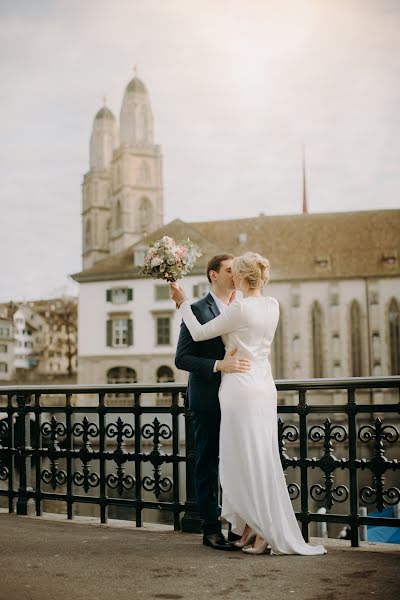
355,339
394,337
88,234
277,350
144,173
317,345
145,214
118,217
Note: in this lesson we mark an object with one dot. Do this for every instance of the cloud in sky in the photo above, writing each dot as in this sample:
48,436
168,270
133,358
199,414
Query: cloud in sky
235,88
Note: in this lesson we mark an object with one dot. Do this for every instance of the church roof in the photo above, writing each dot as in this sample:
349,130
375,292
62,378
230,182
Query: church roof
105,113
136,85
299,247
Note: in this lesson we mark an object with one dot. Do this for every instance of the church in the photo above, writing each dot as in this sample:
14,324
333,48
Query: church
336,275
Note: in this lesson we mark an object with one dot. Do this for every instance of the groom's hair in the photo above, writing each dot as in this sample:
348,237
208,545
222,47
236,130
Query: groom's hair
214,264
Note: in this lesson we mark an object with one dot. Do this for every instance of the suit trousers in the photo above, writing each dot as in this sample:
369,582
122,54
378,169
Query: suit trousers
206,426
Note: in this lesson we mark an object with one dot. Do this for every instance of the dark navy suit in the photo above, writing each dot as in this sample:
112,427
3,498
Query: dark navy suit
199,358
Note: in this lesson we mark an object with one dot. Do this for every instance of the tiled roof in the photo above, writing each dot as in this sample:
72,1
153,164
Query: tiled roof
303,246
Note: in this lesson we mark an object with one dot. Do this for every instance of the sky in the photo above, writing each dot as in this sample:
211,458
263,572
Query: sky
236,87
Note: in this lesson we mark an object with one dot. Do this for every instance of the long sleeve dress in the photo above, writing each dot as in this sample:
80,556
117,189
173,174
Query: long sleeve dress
252,479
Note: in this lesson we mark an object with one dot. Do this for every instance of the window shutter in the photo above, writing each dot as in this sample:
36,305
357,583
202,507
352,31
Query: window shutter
108,295
130,332
130,294
109,332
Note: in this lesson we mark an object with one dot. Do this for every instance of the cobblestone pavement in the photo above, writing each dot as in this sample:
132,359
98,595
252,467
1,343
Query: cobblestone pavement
43,559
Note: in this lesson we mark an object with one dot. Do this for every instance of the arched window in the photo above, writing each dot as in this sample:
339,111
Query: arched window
277,350
145,213
88,234
355,339
394,337
121,375
118,217
317,341
164,375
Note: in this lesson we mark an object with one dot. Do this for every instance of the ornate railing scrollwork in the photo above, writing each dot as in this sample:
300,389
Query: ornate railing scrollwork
328,463
53,476
86,478
379,464
157,484
119,481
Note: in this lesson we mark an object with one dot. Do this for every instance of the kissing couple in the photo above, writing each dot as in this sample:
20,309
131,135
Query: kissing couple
225,345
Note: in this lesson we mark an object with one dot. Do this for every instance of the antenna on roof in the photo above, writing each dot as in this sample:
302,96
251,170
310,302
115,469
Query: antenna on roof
305,199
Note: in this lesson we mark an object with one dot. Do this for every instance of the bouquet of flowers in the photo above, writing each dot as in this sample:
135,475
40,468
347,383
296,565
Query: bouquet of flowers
168,260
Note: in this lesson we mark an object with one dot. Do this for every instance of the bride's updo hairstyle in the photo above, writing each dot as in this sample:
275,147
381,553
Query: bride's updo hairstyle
252,268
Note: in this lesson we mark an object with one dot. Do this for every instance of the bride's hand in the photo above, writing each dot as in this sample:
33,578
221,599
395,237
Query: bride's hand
177,293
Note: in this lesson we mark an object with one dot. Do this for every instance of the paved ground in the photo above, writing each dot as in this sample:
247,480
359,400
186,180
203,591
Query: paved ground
43,559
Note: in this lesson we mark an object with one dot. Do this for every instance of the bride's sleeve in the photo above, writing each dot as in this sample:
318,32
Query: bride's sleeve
229,320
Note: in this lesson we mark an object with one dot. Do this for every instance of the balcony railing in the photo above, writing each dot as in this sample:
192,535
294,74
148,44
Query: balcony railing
78,444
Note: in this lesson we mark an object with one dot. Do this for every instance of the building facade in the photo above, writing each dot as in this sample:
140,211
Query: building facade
336,276
7,346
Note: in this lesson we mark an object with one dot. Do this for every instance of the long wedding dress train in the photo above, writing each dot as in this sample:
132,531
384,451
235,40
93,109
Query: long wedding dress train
252,479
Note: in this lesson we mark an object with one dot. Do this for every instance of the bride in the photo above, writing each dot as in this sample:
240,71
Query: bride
255,497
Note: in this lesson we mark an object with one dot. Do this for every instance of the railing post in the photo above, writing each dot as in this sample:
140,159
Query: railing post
191,521
351,410
25,505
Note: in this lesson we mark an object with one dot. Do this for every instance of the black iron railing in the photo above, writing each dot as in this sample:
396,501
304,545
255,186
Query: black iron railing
90,447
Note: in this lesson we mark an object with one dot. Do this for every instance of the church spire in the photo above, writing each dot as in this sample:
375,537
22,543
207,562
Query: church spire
305,199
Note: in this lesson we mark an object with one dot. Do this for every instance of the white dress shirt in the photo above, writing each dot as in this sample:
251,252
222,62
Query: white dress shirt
221,308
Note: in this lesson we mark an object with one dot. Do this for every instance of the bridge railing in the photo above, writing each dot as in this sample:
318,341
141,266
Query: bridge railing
119,446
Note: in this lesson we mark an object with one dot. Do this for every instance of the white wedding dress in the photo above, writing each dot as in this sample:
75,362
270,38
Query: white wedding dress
252,479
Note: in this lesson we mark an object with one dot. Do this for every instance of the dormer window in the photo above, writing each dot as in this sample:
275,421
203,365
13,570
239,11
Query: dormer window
389,258
322,262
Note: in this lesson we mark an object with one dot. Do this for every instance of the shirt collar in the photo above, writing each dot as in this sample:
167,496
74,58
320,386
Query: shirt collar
218,302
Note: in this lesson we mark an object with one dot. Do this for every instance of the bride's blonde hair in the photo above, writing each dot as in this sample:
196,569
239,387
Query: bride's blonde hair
251,268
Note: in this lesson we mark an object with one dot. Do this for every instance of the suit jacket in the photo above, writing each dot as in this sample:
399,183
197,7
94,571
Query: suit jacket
199,358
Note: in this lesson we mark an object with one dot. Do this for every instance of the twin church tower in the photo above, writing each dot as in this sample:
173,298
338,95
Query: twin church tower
122,193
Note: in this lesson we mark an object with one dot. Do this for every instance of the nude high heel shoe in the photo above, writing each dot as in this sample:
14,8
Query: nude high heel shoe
263,549
251,536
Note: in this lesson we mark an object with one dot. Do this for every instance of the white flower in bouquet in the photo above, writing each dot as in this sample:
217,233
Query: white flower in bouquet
168,260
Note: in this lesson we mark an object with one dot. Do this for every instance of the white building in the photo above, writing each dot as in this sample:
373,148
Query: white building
6,349
336,276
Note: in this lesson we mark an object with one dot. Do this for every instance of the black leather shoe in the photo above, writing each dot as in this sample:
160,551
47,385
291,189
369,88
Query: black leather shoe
218,542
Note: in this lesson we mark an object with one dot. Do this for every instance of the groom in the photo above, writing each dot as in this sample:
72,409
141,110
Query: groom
205,361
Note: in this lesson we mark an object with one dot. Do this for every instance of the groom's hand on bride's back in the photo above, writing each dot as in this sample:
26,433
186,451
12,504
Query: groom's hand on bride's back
232,363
